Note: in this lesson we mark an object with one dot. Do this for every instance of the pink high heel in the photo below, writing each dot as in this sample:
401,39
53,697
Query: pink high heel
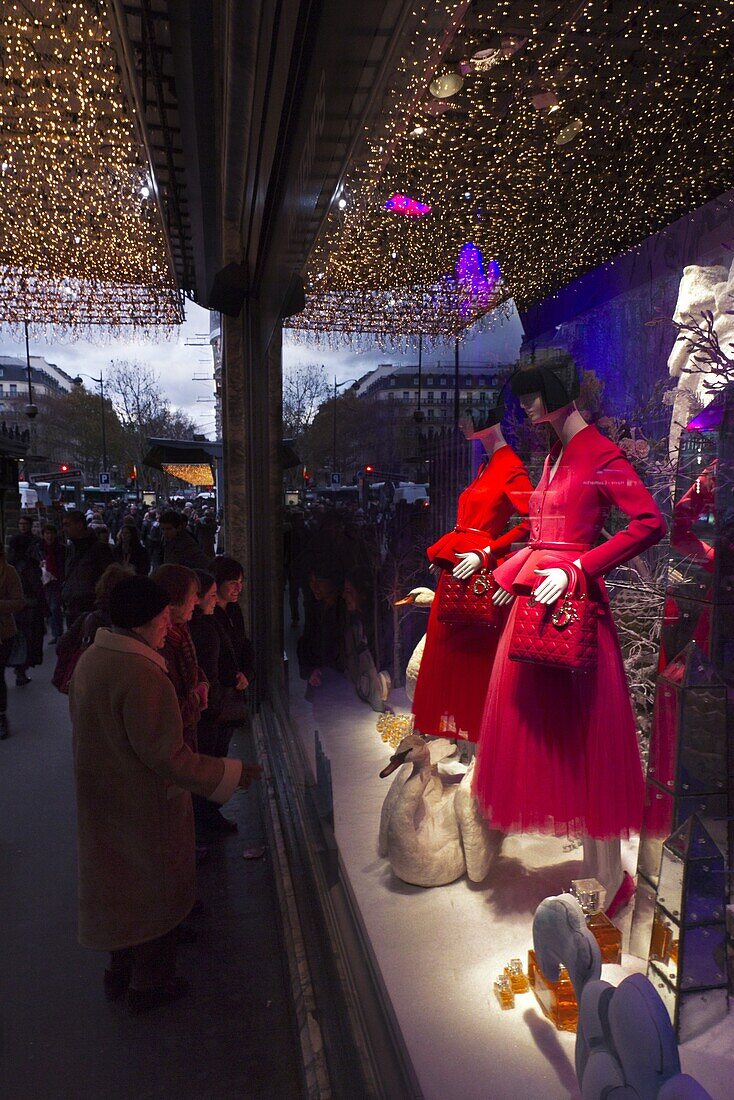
622,897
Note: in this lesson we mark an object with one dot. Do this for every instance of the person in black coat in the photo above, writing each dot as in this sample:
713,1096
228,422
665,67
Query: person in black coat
227,657
25,554
86,560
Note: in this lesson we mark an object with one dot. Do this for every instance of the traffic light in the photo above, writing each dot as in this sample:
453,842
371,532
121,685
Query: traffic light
63,467
369,470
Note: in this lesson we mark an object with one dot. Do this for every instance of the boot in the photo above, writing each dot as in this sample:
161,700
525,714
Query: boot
4,731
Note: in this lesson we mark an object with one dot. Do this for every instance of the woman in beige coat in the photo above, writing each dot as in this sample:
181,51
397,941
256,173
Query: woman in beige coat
134,775
11,601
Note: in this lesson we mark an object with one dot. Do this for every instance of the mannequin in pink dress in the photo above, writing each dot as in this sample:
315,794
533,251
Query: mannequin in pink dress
558,748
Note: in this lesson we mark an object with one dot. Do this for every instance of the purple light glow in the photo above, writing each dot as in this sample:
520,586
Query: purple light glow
709,418
403,204
474,279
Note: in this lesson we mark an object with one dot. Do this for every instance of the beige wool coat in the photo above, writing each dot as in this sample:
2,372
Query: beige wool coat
133,778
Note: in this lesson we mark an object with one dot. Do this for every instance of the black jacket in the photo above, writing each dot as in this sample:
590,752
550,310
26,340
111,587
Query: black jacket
86,561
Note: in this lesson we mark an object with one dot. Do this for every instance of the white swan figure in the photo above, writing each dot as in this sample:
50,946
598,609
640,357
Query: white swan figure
421,597
430,829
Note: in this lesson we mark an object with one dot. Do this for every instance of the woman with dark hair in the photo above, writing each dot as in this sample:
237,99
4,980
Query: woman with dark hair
226,655
192,687
130,551
320,644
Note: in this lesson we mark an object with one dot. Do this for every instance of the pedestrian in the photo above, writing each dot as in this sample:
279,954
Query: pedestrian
25,554
206,532
180,547
227,658
11,602
86,560
192,687
52,575
130,551
82,631
133,775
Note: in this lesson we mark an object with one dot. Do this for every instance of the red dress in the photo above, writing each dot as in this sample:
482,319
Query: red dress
457,660
558,750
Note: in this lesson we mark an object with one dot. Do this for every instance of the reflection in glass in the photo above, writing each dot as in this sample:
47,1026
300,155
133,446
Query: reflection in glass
687,962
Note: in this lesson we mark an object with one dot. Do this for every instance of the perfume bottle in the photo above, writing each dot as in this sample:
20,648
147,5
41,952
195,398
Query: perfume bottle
503,992
557,999
591,896
662,944
517,977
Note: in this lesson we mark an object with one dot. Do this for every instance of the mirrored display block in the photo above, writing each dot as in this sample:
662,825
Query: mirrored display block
688,951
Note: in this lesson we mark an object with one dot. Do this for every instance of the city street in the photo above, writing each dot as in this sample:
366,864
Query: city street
232,1037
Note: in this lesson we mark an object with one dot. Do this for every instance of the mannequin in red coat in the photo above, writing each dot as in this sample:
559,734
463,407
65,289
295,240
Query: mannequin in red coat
457,660
558,749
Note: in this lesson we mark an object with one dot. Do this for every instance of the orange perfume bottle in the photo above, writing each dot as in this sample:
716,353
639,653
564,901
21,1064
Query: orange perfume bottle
517,977
591,896
557,999
503,992
662,944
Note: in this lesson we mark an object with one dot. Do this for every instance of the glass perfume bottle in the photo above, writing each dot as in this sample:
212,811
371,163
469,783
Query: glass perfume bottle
517,976
557,999
503,992
661,941
591,896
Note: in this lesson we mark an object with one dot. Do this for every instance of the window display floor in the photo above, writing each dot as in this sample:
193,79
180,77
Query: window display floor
439,950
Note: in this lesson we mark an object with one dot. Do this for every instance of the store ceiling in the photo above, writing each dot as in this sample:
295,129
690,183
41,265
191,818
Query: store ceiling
83,240
642,93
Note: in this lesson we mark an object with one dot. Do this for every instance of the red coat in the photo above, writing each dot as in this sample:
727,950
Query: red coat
558,749
500,490
457,660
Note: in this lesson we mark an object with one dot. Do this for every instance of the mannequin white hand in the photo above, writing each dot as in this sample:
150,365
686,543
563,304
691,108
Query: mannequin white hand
468,565
502,597
553,587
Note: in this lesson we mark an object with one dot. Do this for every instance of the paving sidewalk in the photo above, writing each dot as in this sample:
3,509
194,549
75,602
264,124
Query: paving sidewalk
59,1038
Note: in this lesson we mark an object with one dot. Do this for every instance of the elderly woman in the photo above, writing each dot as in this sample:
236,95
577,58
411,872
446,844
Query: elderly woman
133,775
190,682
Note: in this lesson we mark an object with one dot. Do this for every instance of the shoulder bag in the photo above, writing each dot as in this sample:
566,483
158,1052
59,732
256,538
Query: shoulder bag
560,635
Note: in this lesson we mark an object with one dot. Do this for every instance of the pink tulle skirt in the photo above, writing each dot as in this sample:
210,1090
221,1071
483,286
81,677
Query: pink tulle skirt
558,750
454,676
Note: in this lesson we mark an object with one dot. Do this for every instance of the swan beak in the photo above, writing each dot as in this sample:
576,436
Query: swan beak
410,598
395,762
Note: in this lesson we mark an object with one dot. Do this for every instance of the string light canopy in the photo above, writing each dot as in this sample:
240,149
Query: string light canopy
391,318
579,130
82,240
195,473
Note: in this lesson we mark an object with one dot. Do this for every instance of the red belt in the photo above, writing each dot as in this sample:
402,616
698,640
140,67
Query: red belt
543,545
470,531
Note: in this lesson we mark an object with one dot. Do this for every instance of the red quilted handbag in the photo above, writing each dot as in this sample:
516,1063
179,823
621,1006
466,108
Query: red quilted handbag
469,602
564,635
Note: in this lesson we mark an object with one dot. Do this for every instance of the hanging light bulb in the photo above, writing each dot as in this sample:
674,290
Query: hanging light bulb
446,85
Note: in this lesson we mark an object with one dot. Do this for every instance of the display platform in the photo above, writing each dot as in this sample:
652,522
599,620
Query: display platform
439,950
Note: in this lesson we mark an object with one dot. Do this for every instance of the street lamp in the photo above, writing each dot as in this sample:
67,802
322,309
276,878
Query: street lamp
31,409
338,386
100,383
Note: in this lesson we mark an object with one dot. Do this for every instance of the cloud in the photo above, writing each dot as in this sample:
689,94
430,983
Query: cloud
500,345
175,359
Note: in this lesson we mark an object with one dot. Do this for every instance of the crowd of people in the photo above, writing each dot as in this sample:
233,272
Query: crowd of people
151,648
346,567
